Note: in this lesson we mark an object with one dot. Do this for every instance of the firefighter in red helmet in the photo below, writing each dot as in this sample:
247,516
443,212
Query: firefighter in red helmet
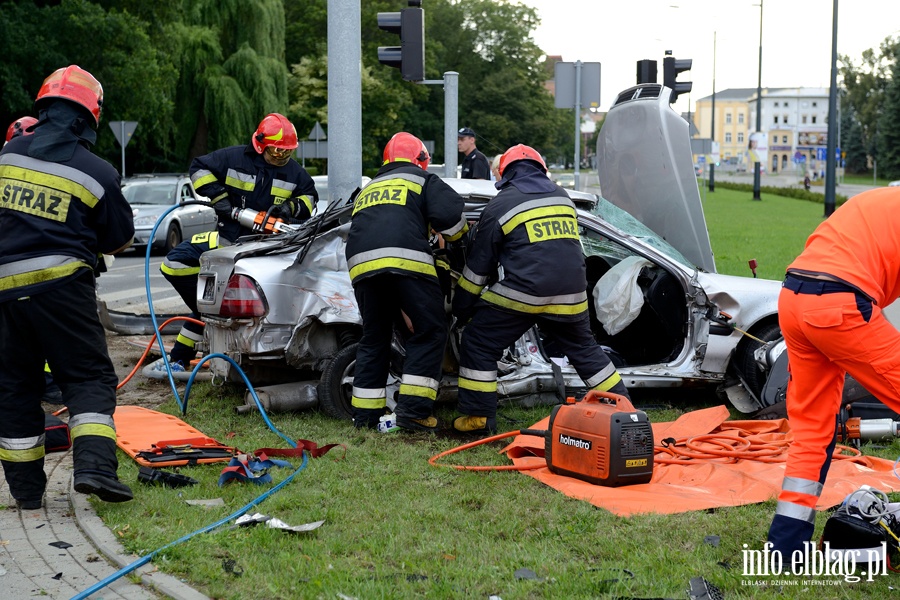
392,267
66,208
20,127
257,176
530,229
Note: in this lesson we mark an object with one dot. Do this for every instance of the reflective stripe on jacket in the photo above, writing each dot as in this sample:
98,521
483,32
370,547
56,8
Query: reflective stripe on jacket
392,221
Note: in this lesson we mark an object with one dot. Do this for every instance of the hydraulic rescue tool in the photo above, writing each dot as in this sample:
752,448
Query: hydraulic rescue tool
602,439
261,221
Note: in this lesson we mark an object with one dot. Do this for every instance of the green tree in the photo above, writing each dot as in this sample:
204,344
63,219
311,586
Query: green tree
856,160
889,127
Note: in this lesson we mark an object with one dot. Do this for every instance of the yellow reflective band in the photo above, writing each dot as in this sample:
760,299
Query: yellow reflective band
281,192
206,179
185,340
537,213
455,236
477,386
57,183
47,368
469,286
552,309
307,202
392,263
178,272
417,390
34,199
555,228
22,456
207,237
247,186
608,383
389,191
94,429
367,402
32,277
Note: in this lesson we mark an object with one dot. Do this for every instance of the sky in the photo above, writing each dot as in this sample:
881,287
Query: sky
796,39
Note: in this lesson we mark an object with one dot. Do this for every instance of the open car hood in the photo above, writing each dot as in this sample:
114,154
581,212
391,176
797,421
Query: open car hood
646,168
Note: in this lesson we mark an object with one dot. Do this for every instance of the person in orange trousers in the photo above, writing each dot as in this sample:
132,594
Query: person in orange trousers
830,312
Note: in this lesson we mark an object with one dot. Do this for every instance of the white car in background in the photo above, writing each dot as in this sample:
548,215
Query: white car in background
151,195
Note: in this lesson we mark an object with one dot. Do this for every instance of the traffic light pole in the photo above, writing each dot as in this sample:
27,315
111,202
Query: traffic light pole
451,118
577,123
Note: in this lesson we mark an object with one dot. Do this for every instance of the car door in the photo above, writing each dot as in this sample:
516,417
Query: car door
194,218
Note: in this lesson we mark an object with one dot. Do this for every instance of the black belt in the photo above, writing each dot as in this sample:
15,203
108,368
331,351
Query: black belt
808,285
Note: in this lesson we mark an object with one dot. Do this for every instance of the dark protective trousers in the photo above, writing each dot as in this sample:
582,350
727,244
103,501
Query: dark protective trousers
830,330
492,330
62,326
380,299
183,278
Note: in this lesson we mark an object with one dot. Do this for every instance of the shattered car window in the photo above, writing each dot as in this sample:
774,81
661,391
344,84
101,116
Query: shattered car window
620,219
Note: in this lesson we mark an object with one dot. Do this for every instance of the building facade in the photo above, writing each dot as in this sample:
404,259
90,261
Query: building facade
794,124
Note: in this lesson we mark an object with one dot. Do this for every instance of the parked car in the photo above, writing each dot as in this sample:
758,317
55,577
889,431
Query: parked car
284,309
151,195
566,180
894,184
321,182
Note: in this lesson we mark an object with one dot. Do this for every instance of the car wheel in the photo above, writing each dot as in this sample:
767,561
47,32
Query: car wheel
173,237
753,376
336,386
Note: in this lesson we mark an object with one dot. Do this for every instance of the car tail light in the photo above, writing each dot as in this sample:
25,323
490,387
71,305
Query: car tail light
243,299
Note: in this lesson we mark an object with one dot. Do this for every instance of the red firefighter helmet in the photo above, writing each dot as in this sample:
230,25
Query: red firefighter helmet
18,127
408,148
521,152
76,85
275,130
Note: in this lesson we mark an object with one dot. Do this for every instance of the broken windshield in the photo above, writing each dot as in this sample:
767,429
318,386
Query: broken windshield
620,219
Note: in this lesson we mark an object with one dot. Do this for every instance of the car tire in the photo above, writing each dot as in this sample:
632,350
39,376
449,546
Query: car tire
744,361
173,237
335,389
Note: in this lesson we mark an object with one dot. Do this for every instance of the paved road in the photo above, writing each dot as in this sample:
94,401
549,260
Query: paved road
790,180
123,286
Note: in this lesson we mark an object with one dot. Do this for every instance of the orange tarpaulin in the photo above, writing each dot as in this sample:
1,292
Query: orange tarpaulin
677,488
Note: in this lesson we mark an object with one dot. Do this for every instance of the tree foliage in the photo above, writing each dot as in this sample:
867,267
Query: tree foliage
888,142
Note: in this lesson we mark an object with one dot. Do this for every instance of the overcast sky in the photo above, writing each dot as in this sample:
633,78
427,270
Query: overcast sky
796,39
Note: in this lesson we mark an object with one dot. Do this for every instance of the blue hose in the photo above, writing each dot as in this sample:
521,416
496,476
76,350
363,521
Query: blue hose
183,406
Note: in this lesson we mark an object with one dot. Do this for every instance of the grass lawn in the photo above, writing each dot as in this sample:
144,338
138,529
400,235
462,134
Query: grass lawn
396,527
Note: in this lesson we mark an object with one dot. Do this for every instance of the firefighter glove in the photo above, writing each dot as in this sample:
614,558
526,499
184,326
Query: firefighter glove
224,209
285,211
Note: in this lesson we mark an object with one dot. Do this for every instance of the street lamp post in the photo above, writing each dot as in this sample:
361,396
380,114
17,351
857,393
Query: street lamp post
756,164
832,114
712,134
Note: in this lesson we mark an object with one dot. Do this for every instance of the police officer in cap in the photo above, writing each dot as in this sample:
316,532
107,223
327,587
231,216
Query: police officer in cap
65,207
475,165
531,230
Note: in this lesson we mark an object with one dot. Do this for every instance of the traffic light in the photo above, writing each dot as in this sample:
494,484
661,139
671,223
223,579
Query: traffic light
409,56
671,68
646,71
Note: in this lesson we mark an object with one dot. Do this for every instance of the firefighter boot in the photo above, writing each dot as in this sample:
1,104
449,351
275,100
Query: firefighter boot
423,424
475,425
366,418
27,482
95,469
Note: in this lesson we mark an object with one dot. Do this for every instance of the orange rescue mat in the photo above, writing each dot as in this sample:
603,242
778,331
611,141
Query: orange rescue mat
703,461
155,439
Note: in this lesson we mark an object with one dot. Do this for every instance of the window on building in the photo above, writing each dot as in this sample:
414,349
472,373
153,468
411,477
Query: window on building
785,119
728,137
776,105
776,118
815,104
740,118
784,162
814,118
774,163
803,119
728,118
784,139
804,104
740,137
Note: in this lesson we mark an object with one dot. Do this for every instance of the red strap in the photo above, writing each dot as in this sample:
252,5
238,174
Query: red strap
302,445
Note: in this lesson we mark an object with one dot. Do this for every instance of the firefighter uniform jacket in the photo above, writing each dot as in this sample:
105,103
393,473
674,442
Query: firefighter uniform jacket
534,237
57,218
392,219
242,175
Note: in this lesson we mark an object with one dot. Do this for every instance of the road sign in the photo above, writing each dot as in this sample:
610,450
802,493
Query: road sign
317,133
123,130
313,149
821,153
701,159
565,84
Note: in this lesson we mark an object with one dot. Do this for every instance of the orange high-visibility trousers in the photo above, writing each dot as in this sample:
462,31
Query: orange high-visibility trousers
827,335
